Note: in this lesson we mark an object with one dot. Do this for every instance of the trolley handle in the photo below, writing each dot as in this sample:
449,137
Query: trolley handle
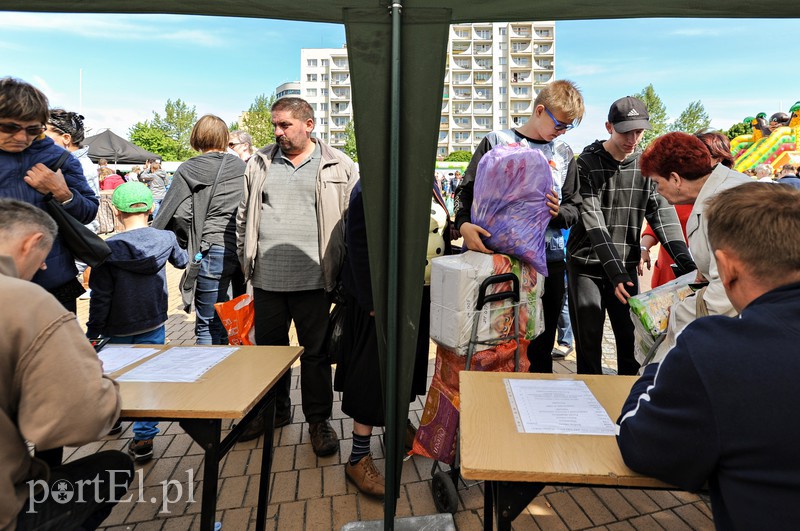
483,298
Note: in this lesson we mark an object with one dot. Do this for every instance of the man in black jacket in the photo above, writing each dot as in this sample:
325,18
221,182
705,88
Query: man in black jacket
603,247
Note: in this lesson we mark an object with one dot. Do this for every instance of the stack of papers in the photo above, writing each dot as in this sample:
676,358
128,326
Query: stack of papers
178,364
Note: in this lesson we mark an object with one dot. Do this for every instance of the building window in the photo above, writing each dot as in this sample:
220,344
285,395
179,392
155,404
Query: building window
503,91
502,105
311,62
325,62
311,77
311,92
503,60
324,77
502,31
323,106
503,76
503,121
324,92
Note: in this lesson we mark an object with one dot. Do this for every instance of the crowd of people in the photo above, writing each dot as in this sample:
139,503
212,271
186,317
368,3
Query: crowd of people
287,223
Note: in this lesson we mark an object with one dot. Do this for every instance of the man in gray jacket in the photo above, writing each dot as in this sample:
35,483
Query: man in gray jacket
290,240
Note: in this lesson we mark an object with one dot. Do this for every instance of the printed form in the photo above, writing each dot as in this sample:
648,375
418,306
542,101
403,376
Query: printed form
178,364
557,407
115,358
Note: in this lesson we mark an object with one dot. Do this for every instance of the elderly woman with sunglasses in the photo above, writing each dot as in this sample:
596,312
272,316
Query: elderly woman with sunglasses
686,173
27,157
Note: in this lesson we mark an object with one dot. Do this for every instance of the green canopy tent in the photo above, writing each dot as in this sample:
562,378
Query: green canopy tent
397,56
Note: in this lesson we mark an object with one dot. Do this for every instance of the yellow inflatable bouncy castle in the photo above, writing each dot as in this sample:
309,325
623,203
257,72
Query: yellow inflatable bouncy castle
774,143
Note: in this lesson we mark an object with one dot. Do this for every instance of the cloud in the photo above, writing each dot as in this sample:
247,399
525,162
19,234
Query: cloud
128,27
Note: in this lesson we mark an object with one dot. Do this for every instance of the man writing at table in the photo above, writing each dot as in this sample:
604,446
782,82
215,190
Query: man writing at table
721,407
52,393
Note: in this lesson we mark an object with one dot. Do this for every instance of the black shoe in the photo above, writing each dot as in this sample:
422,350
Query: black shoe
141,451
254,430
116,428
324,440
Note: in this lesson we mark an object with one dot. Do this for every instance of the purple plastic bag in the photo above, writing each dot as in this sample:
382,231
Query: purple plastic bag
509,201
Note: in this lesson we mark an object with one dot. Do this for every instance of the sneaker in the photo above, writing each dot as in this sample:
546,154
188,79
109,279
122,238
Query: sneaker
324,440
366,476
116,428
141,451
561,352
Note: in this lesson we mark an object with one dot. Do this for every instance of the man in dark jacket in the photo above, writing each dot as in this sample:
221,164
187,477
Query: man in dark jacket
603,247
27,157
721,408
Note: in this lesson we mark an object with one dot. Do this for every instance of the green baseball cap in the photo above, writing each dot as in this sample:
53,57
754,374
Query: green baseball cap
132,197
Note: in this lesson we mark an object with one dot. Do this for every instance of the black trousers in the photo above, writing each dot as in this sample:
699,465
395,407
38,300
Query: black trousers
87,512
591,295
274,311
540,350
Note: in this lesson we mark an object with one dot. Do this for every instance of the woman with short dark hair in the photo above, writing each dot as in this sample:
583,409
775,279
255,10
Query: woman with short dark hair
27,159
200,207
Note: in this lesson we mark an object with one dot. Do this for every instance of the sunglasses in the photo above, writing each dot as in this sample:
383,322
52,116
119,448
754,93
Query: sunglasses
12,129
560,126
231,144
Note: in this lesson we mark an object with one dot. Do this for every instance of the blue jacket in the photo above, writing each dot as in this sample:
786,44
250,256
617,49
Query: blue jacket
83,207
722,408
129,290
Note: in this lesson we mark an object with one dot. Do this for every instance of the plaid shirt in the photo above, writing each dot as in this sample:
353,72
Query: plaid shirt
616,200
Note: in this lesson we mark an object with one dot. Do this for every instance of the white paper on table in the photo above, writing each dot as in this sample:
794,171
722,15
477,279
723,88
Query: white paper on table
115,358
178,364
558,407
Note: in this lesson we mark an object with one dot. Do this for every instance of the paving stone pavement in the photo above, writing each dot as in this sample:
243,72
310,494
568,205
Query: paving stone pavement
308,492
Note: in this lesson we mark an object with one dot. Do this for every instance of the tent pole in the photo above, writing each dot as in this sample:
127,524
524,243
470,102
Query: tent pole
392,423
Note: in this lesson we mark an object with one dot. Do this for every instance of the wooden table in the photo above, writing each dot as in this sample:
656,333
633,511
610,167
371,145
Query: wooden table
517,466
237,387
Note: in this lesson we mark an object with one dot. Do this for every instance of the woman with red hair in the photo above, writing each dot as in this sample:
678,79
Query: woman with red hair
682,167
720,149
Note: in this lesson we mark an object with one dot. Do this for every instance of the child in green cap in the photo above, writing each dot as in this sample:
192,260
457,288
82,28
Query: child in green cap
129,290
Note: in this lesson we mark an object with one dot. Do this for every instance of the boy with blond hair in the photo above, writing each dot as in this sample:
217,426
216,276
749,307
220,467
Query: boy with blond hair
557,109
129,290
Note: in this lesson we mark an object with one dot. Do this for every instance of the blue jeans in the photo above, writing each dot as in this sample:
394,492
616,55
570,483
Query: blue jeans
143,429
216,269
565,337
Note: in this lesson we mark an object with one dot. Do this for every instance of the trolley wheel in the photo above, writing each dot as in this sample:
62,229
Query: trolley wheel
445,497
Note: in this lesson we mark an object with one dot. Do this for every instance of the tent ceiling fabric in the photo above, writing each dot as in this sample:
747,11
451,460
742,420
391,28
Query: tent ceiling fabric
461,10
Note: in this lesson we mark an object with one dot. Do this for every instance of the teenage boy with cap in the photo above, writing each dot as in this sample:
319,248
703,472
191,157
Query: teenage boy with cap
129,290
603,247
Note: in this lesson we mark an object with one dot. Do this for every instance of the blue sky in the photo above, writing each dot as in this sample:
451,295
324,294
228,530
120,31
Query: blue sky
132,64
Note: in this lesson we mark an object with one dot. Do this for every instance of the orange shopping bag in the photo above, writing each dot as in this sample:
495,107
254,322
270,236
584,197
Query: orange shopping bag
237,318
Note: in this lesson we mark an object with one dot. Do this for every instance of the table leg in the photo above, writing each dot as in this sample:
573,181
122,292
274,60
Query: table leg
510,499
266,461
206,433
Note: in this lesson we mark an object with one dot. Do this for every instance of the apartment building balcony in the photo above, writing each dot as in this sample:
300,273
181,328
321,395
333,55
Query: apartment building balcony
544,34
343,109
339,64
337,126
540,79
482,64
444,125
462,64
462,79
521,47
522,109
546,49
462,95
482,108
523,78
520,31
462,109
482,94
462,138
442,137
483,79
482,49
543,65
340,81
482,34
340,94
484,124
461,32
462,48
521,94
462,123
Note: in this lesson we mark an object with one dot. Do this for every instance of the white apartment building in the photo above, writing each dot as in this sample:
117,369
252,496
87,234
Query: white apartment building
494,71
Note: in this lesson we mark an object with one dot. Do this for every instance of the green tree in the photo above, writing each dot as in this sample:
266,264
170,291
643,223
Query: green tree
350,141
458,156
167,135
233,126
739,128
258,121
692,119
153,139
657,112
